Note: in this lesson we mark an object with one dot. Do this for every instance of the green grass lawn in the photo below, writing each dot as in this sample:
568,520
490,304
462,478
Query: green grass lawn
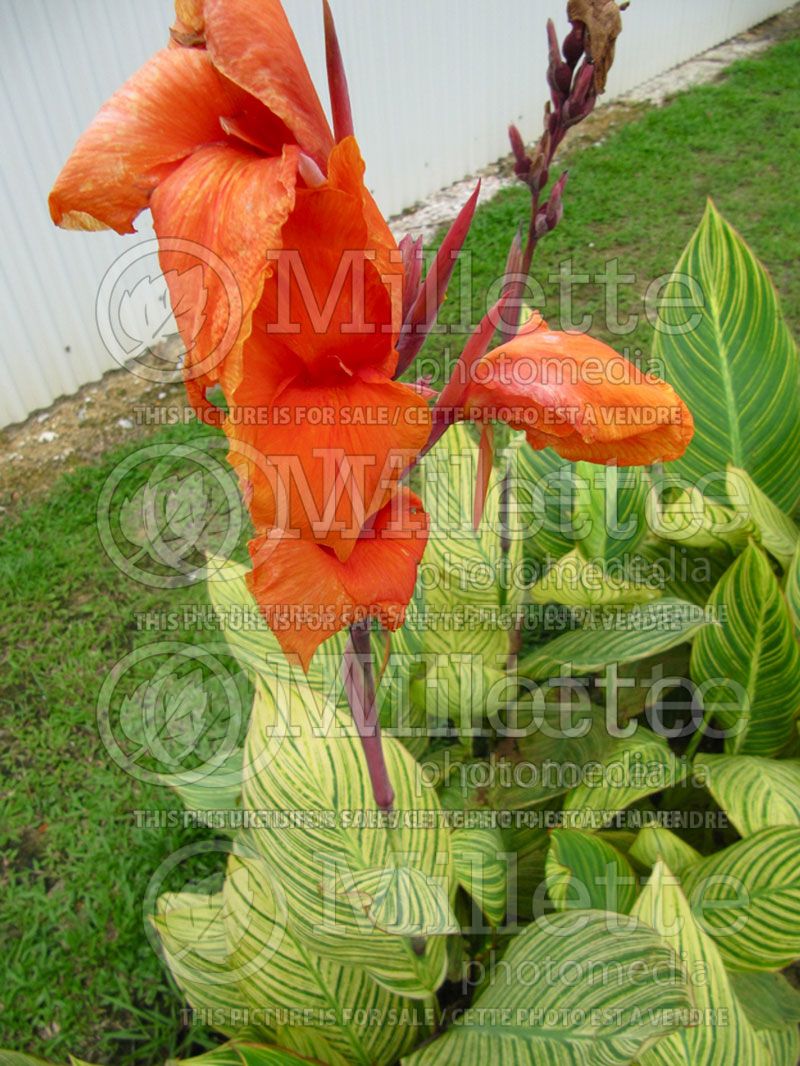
81,975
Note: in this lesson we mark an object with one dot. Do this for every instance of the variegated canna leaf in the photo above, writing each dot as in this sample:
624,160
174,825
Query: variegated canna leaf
717,1031
748,661
632,769
482,868
545,493
472,586
731,357
575,1019
792,590
694,522
755,793
585,871
748,898
632,634
655,843
775,531
574,582
609,515
191,932
280,977
360,890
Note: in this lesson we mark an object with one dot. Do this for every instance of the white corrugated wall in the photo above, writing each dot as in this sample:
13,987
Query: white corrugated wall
434,85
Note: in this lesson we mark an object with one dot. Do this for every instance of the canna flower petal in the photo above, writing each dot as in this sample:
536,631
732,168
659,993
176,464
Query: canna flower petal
233,204
171,106
318,460
306,594
336,300
576,395
252,43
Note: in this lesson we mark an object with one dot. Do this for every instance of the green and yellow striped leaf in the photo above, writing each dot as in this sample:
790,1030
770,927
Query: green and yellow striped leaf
550,756
655,843
773,1007
245,1053
586,872
482,868
755,793
574,582
545,494
234,1053
255,646
775,530
609,516
783,1045
615,636
792,591
748,662
769,1001
732,359
748,898
610,994
679,571
360,890
317,1006
693,521
470,563
634,767
717,1032
191,932
468,587
215,793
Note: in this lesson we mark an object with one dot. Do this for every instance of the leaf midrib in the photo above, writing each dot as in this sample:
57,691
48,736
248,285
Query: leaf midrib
725,372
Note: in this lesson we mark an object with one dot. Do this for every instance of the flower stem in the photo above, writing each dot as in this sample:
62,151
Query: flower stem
360,687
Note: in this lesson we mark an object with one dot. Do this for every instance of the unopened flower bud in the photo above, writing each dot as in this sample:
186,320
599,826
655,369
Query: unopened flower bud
559,74
584,85
582,98
522,161
573,44
541,225
554,53
554,210
537,179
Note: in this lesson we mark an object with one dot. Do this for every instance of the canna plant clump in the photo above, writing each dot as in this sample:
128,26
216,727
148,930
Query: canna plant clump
470,862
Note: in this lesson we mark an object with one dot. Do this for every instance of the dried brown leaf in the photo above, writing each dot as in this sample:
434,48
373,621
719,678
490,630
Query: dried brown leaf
603,25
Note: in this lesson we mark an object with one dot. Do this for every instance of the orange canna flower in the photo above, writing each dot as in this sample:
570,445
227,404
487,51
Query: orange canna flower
215,140
223,137
319,431
576,395
336,299
306,594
